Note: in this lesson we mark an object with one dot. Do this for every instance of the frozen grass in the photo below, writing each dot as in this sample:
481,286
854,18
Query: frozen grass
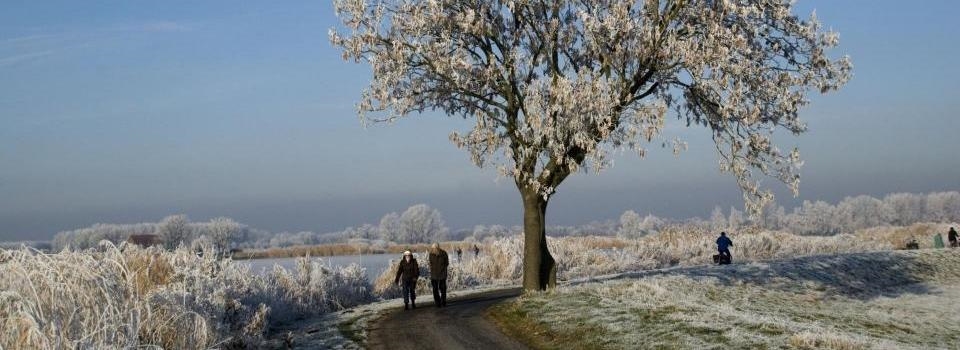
129,297
501,260
876,300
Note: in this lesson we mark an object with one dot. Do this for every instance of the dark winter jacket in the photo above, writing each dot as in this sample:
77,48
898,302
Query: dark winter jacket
409,271
438,265
724,242
952,235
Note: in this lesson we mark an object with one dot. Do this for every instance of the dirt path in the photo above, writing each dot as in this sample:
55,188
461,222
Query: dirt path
460,325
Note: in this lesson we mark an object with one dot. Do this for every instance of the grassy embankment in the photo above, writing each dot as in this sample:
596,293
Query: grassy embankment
901,299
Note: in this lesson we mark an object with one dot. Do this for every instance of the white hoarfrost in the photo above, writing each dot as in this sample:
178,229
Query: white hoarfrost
129,297
881,300
556,86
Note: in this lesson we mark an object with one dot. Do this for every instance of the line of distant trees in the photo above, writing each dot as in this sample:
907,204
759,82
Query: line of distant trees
422,224
217,235
850,214
417,224
818,217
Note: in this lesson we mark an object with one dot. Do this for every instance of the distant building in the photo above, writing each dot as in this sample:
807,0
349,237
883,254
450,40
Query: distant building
145,240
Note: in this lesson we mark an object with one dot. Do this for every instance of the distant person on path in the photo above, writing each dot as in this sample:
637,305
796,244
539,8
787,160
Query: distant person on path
459,254
438,274
723,246
938,240
952,237
407,274
476,251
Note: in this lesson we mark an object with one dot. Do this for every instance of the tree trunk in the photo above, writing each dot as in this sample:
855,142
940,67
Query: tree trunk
539,268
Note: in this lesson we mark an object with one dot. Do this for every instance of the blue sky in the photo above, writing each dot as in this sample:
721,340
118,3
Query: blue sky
126,111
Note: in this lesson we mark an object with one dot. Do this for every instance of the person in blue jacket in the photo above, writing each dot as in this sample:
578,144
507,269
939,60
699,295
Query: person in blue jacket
723,245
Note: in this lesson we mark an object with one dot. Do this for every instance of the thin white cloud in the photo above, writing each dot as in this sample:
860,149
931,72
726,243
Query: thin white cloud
166,27
15,59
29,38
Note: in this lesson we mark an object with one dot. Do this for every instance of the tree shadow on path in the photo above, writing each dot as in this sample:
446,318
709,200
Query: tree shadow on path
860,276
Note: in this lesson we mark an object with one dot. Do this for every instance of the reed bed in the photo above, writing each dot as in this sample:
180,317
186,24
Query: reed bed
129,297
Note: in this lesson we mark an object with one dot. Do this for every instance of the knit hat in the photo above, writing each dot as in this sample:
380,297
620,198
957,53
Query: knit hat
407,253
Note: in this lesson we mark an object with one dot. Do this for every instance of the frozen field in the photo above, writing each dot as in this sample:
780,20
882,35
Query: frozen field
881,300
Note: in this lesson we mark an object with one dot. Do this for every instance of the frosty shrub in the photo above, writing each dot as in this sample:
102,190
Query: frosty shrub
129,297
313,288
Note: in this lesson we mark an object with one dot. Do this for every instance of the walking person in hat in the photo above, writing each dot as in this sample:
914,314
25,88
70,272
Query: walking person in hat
407,274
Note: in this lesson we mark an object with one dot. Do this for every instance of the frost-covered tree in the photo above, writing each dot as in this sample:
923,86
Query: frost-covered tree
736,220
221,232
91,236
365,231
717,220
633,226
390,227
943,207
555,86
422,224
174,230
773,216
629,225
908,208
815,218
854,213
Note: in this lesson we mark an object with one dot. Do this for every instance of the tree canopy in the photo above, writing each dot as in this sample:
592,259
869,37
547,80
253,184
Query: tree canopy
556,86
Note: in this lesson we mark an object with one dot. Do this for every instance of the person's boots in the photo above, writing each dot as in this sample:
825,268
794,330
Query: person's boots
414,303
406,306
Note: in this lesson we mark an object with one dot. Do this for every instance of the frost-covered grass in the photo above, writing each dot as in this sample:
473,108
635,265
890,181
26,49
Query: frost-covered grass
883,300
125,296
129,297
501,260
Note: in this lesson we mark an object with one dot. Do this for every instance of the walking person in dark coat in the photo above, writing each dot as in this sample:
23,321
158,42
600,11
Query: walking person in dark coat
723,246
476,251
952,237
459,254
407,274
438,274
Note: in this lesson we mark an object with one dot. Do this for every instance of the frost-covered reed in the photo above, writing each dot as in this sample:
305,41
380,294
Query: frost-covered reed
129,297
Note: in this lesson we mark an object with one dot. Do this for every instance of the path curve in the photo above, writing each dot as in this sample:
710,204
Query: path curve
459,325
